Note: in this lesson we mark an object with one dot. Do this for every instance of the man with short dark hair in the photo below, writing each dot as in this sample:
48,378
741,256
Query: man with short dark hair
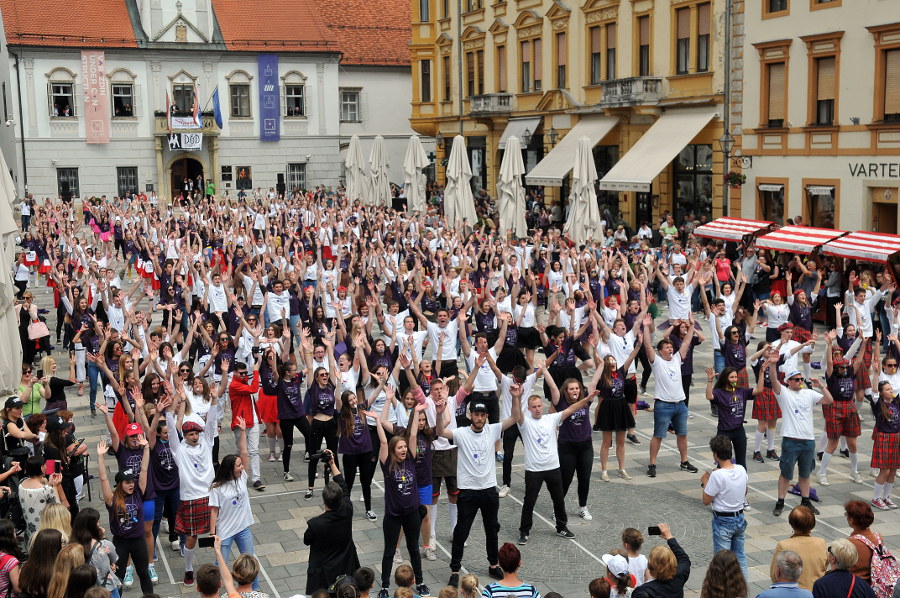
365,580
724,488
208,580
330,535
788,568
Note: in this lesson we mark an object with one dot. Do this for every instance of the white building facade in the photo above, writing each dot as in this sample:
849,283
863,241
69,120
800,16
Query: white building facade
820,112
285,105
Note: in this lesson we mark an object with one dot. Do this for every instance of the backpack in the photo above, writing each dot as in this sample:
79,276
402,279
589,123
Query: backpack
884,568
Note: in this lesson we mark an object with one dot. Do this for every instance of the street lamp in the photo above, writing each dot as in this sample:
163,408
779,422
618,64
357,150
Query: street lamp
526,137
726,143
439,140
553,135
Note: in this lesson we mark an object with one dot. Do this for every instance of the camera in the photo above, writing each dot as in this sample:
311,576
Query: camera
324,456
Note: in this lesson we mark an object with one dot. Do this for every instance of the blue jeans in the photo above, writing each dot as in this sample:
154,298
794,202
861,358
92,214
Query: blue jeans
94,377
801,453
718,360
163,498
665,413
244,541
728,534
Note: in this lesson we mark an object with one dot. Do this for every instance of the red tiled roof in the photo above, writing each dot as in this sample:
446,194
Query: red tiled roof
272,25
39,23
369,32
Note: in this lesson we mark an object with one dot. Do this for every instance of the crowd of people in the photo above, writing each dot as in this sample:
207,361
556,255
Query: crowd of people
406,343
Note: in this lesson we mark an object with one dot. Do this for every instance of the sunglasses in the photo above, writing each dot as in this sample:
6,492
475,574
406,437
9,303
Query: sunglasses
795,379
185,371
890,365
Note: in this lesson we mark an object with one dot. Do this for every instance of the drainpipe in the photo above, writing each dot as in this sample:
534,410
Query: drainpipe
21,123
726,196
459,62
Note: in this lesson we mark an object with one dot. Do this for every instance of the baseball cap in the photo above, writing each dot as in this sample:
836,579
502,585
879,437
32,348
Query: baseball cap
478,407
56,422
616,563
791,374
133,429
13,402
126,475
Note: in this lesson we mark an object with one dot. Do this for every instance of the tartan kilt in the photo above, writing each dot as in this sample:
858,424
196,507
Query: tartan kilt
841,419
885,450
743,379
192,518
801,335
765,406
862,376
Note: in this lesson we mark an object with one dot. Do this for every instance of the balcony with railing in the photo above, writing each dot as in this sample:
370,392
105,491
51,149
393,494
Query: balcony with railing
491,103
631,91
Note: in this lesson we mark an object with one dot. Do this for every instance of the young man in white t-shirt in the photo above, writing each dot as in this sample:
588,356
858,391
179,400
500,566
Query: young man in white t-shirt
477,479
798,440
724,488
669,406
542,462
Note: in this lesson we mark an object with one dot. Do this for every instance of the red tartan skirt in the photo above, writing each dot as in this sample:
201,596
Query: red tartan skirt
267,408
841,419
885,450
743,378
862,376
765,406
801,335
192,518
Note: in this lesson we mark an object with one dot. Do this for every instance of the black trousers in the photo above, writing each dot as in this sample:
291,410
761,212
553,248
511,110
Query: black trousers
287,435
136,548
510,435
410,523
577,457
362,462
468,503
646,368
533,482
319,431
738,439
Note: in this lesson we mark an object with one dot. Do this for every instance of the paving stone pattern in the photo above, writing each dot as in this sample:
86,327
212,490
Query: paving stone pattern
552,563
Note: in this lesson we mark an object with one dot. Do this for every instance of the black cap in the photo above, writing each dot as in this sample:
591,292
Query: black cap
126,475
13,402
478,408
56,422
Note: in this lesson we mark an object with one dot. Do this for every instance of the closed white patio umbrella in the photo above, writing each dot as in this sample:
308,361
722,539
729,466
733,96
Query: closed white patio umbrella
379,186
414,178
459,204
356,170
583,225
510,192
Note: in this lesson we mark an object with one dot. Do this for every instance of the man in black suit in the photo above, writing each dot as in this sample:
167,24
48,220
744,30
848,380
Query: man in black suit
329,536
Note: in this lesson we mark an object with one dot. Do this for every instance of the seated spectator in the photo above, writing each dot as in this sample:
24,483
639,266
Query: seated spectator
10,558
34,578
839,580
632,540
600,588
860,516
788,567
621,581
510,560
83,578
404,576
468,586
446,592
56,516
724,577
669,566
365,580
68,558
240,579
813,551
208,580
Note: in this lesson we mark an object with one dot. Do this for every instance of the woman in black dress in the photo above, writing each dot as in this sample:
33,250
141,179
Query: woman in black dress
613,412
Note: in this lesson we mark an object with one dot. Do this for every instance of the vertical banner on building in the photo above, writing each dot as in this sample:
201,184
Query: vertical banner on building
269,112
96,96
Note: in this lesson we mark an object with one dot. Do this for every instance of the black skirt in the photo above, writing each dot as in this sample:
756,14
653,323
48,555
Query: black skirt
615,415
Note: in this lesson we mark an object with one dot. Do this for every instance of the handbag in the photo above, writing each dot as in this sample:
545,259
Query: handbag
37,330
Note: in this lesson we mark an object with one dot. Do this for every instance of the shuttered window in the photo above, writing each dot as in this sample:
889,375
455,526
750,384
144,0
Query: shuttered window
611,51
892,85
703,20
561,53
776,95
644,46
538,66
501,69
825,78
683,17
703,28
683,48
596,55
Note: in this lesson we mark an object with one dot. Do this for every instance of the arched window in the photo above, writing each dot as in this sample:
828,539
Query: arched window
239,92
293,85
61,93
123,94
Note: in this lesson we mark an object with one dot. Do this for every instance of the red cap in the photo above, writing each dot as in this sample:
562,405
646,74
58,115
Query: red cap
785,326
133,429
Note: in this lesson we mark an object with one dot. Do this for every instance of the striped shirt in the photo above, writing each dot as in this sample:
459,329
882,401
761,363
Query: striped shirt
496,590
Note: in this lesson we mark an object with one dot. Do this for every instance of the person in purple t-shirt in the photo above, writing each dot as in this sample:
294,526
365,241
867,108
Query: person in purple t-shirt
730,400
401,496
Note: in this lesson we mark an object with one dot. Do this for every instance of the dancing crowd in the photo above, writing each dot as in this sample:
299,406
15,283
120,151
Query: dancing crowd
354,338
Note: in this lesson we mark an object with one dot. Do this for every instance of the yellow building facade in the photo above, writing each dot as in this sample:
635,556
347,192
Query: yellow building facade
642,79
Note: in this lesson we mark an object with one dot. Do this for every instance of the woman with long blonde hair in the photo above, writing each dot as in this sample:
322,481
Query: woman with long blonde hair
54,516
68,558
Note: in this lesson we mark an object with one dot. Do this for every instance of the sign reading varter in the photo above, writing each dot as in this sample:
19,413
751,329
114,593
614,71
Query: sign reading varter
889,170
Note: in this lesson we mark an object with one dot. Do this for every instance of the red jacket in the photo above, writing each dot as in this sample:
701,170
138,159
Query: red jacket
241,403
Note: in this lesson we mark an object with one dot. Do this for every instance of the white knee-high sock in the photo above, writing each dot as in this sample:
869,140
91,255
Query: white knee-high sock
806,372
826,457
879,490
854,462
452,517
757,441
823,440
771,438
888,486
432,514
189,559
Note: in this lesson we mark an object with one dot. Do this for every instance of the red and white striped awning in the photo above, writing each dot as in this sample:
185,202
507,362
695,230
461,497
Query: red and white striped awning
797,239
731,229
861,245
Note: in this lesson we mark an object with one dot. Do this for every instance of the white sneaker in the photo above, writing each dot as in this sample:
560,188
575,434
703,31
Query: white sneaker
165,526
856,478
604,476
503,491
176,545
288,477
690,415
397,558
371,516
429,554
585,514
823,480
624,474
